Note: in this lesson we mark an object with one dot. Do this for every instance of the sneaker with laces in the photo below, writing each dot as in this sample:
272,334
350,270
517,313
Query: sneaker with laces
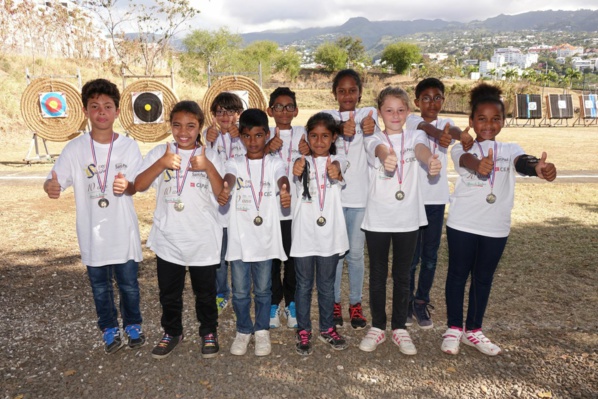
112,340
263,347
358,321
337,315
239,346
209,345
166,346
478,340
402,339
334,339
421,311
274,316
303,343
291,315
221,303
409,321
374,337
135,337
451,339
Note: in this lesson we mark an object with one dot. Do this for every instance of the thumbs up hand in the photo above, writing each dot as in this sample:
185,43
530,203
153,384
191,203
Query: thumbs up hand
120,184
275,144
368,124
332,169
233,130
466,139
170,160
298,166
285,197
390,162
304,147
348,127
200,162
445,138
545,170
434,165
52,187
212,133
486,164
224,195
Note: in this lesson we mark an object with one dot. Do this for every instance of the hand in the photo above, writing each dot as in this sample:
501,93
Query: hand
445,138
368,124
233,130
486,164
466,139
212,133
304,147
545,170
299,166
334,172
434,165
348,127
52,187
224,195
391,161
275,144
120,184
285,197
200,162
170,160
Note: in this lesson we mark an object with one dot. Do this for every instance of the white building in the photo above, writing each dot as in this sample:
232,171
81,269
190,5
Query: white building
514,56
567,50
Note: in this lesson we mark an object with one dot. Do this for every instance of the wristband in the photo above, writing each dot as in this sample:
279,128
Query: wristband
526,165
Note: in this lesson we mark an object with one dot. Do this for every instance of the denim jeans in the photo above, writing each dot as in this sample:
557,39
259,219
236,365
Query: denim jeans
476,255
285,286
428,242
403,246
125,275
222,287
243,274
323,269
355,263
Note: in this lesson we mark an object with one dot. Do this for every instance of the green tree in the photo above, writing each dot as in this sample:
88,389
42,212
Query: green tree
401,56
571,75
511,74
289,62
217,48
331,56
355,50
262,52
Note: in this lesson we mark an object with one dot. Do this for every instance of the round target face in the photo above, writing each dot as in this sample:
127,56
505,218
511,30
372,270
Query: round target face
147,107
53,104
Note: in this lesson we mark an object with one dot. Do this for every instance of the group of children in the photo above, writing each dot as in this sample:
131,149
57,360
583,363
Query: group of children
256,198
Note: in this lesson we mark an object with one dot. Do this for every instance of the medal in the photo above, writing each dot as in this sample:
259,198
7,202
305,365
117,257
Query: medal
103,202
491,198
258,220
321,221
179,205
399,195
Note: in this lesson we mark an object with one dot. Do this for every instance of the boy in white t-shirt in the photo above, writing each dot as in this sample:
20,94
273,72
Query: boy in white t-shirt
100,166
254,236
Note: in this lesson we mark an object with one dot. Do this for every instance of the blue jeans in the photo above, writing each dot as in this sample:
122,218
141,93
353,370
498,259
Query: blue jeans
324,271
222,287
428,242
353,219
243,274
476,255
100,279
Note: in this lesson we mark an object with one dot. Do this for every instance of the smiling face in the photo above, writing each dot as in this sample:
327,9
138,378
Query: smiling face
283,117
255,140
394,113
185,130
430,103
320,139
487,121
102,113
347,94
223,118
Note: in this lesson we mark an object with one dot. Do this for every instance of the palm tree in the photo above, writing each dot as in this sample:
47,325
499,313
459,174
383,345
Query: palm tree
571,75
511,74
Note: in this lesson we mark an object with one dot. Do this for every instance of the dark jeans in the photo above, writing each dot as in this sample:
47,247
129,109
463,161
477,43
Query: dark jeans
428,241
284,286
403,246
125,275
476,255
222,287
171,281
322,269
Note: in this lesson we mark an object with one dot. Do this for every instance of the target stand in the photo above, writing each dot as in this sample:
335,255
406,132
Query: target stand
588,110
559,108
527,107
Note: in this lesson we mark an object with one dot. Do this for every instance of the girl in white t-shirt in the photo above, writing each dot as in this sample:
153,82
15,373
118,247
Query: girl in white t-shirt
319,233
394,212
479,218
186,231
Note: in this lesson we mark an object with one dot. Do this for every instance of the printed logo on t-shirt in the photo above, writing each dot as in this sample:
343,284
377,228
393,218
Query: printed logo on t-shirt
168,175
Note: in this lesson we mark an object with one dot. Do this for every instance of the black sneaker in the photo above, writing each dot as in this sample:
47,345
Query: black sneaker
209,345
112,340
336,341
358,321
303,343
165,346
135,337
337,315
421,311
409,321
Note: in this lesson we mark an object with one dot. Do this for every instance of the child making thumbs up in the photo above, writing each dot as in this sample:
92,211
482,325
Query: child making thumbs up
479,218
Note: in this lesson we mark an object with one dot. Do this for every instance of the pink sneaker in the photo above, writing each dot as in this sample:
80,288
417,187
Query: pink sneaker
478,340
451,340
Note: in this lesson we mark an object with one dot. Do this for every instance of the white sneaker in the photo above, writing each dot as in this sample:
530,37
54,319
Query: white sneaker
291,315
239,346
402,339
478,340
373,338
262,343
451,340
274,316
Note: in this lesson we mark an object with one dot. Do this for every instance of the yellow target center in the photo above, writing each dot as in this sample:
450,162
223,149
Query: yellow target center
148,107
53,104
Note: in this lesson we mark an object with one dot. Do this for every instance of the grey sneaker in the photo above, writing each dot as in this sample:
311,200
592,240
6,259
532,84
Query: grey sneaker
421,311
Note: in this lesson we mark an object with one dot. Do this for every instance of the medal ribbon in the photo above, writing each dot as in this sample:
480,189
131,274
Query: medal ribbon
95,161
434,140
179,188
255,201
289,154
340,116
321,197
400,167
492,175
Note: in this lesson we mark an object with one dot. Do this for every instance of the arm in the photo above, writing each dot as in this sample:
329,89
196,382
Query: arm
482,166
424,155
285,195
122,186
275,144
531,166
333,169
202,163
52,187
169,160
387,157
227,185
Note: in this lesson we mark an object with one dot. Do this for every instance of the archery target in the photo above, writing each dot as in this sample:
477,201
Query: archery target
527,106
561,106
243,95
147,107
53,104
590,105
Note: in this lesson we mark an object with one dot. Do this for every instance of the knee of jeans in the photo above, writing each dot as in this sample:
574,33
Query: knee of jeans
429,264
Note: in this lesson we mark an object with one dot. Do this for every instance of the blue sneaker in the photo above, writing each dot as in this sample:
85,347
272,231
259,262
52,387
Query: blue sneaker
274,316
112,340
221,303
135,337
291,315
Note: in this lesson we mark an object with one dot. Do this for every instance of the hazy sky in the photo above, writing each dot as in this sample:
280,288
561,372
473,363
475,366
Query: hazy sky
243,16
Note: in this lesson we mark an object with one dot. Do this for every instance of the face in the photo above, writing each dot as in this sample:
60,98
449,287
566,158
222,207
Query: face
487,121
255,140
320,139
394,113
430,103
347,94
225,120
185,129
283,118
102,112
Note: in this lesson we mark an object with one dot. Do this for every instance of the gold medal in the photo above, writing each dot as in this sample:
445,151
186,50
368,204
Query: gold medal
399,195
179,206
321,221
491,198
103,203
258,220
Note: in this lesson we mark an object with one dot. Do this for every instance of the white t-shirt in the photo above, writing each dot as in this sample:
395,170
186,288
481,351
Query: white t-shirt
435,189
310,239
110,235
246,241
384,213
288,154
354,194
469,211
193,236
226,149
